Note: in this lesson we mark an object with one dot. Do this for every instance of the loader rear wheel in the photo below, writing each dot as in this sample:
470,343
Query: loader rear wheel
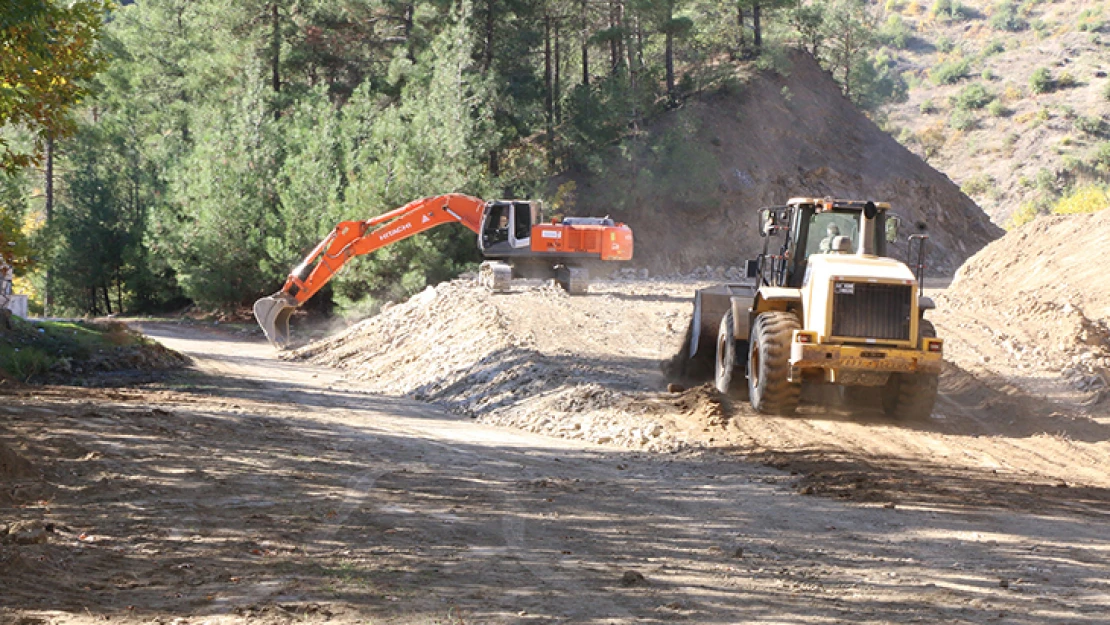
726,377
769,386
911,396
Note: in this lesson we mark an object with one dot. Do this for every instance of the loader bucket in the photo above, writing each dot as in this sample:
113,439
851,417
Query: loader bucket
273,314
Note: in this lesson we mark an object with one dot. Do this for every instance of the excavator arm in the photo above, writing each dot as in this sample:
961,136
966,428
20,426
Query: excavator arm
355,238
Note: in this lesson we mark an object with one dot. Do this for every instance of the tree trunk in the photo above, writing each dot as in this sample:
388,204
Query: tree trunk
740,27
585,45
557,85
275,48
107,298
48,298
548,101
757,29
487,56
408,31
670,63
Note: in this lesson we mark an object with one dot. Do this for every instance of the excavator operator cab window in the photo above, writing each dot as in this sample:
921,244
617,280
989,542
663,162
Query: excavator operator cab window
497,224
522,221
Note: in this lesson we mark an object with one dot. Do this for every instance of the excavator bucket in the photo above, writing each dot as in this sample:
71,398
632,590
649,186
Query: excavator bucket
273,314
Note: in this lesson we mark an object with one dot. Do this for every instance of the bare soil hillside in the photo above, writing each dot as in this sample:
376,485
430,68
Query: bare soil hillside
1034,309
692,202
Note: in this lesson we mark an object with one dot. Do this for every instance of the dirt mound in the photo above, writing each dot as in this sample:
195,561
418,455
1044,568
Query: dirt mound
13,466
535,359
1036,301
691,188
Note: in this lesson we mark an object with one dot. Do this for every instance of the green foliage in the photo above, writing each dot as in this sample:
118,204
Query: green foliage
945,10
1041,81
979,185
1026,212
974,96
1102,155
997,109
995,46
1093,125
1005,16
950,72
15,246
895,32
944,44
24,363
1090,20
1106,92
1066,81
927,107
963,119
48,53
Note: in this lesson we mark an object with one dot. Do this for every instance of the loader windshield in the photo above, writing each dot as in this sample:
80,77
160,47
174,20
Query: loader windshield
825,226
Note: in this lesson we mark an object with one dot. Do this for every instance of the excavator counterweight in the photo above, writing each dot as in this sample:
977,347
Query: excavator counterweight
511,235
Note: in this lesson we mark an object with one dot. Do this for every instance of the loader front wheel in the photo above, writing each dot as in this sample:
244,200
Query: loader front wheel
726,377
769,387
911,396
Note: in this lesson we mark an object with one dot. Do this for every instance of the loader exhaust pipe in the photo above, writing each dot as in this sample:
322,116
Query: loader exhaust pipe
272,313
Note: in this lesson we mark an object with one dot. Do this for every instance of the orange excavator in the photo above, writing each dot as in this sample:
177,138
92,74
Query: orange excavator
512,235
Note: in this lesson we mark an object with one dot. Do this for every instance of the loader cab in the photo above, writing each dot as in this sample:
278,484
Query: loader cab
805,227
507,225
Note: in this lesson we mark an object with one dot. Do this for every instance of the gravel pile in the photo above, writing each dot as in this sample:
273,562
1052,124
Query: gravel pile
530,359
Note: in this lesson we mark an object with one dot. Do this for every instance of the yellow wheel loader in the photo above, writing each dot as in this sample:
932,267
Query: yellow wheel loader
824,305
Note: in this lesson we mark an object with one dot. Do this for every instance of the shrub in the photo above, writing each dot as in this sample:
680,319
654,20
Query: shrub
1094,126
1106,92
1027,212
962,119
1041,80
988,74
950,72
974,96
997,109
895,32
944,10
1090,20
1102,157
24,363
927,107
1086,199
994,47
944,44
1066,81
978,185
1004,16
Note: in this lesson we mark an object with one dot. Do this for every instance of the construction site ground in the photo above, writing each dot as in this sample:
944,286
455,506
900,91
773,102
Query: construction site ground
544,476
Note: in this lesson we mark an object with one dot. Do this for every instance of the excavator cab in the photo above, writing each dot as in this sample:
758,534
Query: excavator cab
507,225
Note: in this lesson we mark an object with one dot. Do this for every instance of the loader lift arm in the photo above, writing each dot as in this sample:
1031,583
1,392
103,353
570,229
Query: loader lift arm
355,238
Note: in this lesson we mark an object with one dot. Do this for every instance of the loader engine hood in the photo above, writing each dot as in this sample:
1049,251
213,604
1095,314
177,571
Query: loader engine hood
854,298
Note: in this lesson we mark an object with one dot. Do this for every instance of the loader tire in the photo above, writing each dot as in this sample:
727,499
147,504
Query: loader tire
726,377
911,396
769,388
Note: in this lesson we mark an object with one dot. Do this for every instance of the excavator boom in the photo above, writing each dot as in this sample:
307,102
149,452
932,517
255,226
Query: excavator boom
354,238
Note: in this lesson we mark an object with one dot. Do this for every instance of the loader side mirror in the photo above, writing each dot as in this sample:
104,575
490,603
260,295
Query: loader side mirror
870,210
751,268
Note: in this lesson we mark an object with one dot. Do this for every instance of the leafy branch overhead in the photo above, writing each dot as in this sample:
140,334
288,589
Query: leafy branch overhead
48,55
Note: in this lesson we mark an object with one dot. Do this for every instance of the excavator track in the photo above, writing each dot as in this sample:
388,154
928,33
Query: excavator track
574,280
495,275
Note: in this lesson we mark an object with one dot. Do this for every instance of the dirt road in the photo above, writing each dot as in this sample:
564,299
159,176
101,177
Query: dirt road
253,490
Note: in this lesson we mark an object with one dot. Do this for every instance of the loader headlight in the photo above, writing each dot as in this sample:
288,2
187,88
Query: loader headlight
805,337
